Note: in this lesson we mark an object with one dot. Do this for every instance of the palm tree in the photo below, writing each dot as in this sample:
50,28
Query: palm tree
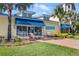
71,17
2,8
9,7
23,6
60,13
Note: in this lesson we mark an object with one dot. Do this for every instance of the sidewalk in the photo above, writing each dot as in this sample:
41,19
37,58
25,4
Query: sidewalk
64,42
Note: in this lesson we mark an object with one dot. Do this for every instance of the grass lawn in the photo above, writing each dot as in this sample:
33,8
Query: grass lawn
38,49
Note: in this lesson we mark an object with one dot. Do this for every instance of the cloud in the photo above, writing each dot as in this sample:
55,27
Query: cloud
36,15
44,7
44,13
41,7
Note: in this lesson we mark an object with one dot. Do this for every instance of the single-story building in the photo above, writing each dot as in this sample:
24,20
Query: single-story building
22,26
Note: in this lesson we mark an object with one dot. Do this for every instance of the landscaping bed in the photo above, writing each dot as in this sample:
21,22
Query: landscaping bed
17,43
76,37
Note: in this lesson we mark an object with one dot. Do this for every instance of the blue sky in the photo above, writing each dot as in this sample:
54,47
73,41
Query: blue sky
44,8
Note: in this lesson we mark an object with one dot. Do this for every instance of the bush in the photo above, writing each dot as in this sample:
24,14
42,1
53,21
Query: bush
60,35
77,28
63,35
70,36
76,37
17,39
76,33
55,35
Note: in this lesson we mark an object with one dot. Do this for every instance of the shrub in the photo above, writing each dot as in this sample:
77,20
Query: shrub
70,36
76,37
76,33
63,35
77,28
60,35
17,39
55,35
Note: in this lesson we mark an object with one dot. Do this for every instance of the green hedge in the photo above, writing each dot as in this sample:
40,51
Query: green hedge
60,35
77,28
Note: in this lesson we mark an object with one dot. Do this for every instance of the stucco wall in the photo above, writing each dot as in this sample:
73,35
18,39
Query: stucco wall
4,26
52,24
13,27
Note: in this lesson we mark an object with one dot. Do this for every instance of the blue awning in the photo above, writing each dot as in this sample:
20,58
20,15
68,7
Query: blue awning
65,25
29,22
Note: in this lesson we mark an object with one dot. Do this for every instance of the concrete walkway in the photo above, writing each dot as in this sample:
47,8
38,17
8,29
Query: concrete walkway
64,42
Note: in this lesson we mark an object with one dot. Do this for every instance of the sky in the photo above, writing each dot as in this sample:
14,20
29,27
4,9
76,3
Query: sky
43,8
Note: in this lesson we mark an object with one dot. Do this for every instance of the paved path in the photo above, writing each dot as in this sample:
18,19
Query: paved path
64,42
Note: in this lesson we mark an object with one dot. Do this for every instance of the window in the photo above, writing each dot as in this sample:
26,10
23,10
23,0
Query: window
50,28
68,6
22,30
65,30
38,31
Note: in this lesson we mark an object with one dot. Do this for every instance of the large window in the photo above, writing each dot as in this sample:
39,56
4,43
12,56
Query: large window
38,31
31,30
50,28
65,30
22,30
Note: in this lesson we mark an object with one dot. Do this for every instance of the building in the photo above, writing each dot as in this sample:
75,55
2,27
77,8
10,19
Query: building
22,26
69,7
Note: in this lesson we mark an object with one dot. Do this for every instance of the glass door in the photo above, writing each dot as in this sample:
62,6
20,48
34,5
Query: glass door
30,30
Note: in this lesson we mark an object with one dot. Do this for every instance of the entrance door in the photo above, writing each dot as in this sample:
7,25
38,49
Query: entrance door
22,30
38,30
35,30
30,30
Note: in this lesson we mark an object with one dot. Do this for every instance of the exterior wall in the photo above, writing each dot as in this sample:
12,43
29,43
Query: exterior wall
13,27
4,26
52,24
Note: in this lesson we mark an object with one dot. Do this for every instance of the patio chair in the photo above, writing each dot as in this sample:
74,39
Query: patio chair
32,36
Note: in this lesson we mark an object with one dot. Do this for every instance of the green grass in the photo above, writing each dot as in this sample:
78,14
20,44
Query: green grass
38,49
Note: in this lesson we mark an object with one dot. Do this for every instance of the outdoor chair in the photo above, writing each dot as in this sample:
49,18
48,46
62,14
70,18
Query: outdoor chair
32,36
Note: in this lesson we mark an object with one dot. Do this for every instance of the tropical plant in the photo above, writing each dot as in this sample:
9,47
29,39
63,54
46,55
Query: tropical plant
59,11
2,8
23,6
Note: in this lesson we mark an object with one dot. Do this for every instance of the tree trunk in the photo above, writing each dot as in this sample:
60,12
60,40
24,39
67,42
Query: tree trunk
9,23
